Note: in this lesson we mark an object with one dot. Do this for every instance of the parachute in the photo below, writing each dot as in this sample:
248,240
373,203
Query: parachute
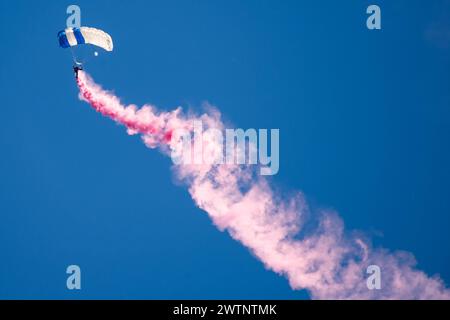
71,37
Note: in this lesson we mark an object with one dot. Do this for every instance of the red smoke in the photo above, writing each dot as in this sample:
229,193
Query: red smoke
327,261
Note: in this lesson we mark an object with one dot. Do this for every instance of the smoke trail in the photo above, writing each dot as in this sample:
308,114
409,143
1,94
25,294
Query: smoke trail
325,260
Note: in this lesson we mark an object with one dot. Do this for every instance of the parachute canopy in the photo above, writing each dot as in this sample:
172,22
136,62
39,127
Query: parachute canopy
74,36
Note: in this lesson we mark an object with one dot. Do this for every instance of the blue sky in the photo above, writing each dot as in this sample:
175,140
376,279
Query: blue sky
364,119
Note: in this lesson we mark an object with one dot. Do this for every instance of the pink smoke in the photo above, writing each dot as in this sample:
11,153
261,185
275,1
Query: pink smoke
325,260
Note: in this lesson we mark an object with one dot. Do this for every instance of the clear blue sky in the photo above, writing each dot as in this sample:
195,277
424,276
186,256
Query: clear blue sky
364,119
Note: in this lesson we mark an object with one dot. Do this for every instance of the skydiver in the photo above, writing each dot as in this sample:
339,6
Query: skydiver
76,69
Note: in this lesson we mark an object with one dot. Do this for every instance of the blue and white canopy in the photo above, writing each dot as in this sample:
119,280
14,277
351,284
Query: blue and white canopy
84,35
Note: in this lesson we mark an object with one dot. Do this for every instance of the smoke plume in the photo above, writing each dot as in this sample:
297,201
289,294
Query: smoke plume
321,257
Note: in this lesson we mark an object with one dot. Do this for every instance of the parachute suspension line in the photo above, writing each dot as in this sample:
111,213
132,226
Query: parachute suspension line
73,56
